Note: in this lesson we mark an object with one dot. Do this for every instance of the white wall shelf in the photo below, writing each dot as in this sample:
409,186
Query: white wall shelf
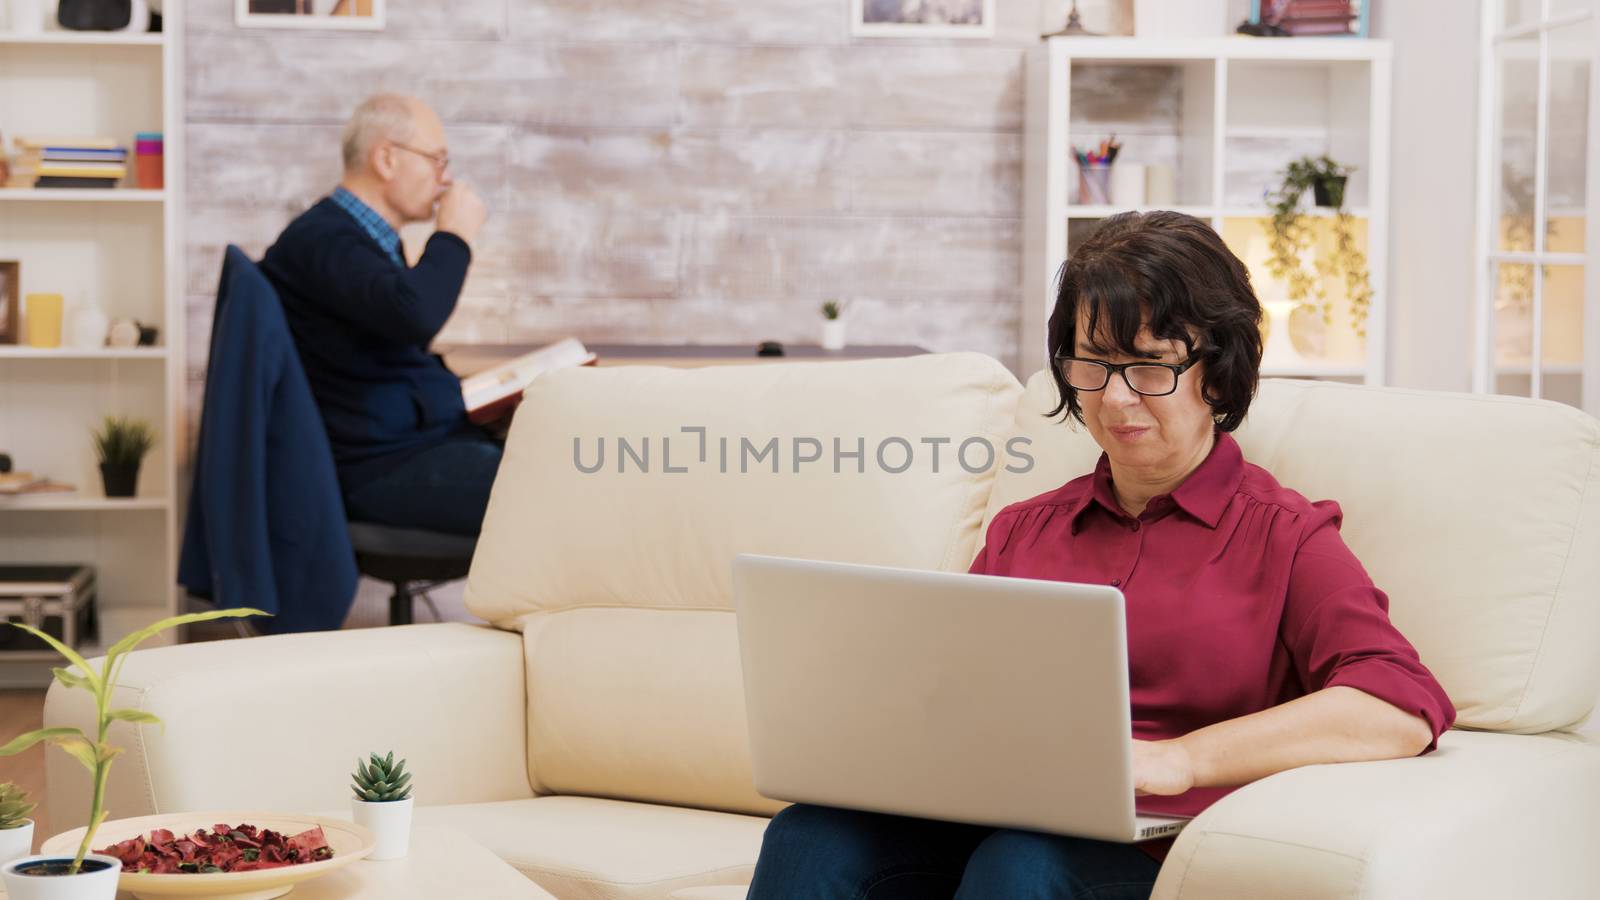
1100,211
1226,114
84,39
120,250
75,503
82,195
103,353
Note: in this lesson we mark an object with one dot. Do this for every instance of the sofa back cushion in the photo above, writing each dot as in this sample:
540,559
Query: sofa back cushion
620,578
1478,515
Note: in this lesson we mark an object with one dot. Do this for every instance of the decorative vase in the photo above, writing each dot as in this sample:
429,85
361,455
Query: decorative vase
833,334
120,480
15,843
97,880
1329,191
1308,332
26,16
389,822
88,330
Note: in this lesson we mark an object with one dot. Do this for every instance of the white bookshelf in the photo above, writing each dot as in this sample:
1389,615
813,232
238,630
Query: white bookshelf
122,250
1243,107
84,195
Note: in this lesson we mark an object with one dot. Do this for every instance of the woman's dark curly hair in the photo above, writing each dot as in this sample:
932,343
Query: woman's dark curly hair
1172,272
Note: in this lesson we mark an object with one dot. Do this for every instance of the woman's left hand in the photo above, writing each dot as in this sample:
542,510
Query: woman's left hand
1161,767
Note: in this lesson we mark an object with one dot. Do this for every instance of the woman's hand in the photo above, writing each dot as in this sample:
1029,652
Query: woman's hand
1161,767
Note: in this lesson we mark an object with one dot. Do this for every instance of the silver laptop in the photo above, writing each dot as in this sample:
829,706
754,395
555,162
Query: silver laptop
967,698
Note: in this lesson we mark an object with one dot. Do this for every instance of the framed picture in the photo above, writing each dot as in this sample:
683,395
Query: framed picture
922,18
356,15
10,291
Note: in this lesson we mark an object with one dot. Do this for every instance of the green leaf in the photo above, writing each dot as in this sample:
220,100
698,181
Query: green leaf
71,680
80,749
71,654
137,716
138,637
23,741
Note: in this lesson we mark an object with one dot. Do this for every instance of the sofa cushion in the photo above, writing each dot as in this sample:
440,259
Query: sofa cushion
641,704
555,537
1478,515
594,849
621,578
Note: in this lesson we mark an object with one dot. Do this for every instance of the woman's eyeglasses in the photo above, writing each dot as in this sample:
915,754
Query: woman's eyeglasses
1149,379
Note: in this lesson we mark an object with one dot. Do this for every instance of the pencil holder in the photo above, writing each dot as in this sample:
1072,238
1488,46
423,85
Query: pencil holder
1094,184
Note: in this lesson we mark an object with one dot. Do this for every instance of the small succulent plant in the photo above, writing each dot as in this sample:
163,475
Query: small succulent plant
831,310
381,779
14,806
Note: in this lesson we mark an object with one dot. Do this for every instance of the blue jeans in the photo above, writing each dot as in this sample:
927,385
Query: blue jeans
443,488
821,853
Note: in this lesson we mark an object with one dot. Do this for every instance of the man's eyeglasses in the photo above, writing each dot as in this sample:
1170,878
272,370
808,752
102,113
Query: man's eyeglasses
1149,379
441,161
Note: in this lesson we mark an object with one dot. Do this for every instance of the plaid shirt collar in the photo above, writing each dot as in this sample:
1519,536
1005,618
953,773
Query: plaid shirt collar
371,222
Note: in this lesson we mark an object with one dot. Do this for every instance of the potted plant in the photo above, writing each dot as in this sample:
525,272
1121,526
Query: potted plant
16,829
87,876
1291,237
383,803
832,326
121,444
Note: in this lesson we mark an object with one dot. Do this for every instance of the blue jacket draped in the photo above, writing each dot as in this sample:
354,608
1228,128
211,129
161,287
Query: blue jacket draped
266,525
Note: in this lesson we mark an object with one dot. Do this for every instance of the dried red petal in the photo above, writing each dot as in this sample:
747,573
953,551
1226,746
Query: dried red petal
224,848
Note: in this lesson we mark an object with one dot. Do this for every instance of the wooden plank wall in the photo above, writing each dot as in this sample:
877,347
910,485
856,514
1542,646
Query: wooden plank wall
657,170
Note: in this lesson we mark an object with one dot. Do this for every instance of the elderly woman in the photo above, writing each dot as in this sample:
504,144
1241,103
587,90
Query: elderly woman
1256,641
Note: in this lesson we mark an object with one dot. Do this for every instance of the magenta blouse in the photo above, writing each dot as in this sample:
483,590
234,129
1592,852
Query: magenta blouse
1240,595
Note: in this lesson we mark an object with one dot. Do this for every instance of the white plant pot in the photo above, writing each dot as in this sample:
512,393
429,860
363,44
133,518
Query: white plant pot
15,843
389,822
25,16
833,334
97,885
138,18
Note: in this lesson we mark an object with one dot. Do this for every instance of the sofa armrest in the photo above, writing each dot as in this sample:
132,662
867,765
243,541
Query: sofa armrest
277,723
1485,815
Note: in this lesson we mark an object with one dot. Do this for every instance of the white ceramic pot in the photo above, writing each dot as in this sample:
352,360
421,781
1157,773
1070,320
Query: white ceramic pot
389,822
100,884
139,17
15,843
833,334
89,327
25,16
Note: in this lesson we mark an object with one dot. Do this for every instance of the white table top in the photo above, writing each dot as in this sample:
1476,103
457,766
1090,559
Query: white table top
442,862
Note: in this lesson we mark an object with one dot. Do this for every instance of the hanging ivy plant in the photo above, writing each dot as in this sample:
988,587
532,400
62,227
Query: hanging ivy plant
1291,238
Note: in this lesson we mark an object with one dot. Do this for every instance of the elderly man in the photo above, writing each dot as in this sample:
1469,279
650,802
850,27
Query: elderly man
363,321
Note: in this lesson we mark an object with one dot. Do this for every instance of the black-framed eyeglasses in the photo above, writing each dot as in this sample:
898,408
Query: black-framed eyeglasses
1146,378
441,161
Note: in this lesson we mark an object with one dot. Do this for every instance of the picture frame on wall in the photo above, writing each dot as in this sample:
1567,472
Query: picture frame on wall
10,301
352,15
922,18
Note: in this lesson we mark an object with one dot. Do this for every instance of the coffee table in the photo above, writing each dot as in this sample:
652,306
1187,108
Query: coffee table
443,862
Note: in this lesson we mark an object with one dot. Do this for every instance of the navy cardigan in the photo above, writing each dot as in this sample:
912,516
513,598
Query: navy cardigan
363,327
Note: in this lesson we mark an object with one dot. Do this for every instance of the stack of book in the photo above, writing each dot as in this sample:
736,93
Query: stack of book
68,163
1308,18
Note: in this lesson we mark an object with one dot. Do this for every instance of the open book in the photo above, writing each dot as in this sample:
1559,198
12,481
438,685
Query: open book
495,392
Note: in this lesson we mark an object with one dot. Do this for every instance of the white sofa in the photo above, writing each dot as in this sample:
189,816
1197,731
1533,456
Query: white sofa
595,738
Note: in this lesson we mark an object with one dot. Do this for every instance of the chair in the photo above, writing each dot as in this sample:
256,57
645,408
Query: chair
228,534
413,561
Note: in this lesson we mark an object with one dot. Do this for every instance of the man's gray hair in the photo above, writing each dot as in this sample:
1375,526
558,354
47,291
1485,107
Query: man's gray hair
381,117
